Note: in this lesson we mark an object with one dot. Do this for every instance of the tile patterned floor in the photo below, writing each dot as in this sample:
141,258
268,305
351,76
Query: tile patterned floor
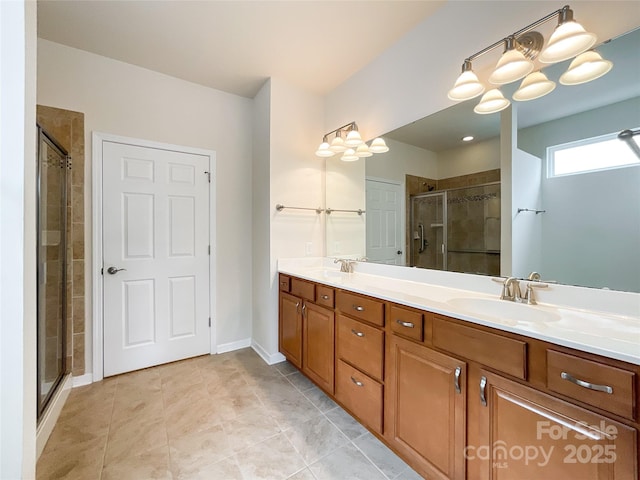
226,417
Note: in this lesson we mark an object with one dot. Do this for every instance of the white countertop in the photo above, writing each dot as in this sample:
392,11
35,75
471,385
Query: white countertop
603,333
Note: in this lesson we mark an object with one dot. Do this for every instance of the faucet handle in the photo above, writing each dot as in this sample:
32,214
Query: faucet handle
529,297
505,294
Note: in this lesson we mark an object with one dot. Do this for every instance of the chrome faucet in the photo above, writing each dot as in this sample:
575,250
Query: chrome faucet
346,266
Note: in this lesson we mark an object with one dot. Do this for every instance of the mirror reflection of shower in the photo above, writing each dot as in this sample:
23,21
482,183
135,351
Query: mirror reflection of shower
457,229
53,168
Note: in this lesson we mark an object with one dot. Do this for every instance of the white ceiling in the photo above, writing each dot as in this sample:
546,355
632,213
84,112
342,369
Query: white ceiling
234,46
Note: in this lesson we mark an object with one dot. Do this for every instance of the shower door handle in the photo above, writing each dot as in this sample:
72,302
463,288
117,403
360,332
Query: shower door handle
114,270
422,246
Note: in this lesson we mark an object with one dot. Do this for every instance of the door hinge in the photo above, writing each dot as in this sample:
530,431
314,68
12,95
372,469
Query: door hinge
209,249
102,271
209,322
208,174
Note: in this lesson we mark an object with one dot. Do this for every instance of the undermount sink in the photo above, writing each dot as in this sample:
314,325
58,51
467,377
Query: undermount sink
505,311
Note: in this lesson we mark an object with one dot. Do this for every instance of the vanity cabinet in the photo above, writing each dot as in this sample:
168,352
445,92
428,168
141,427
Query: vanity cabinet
306,330
426,408
290,328
458,400
527,434
318,355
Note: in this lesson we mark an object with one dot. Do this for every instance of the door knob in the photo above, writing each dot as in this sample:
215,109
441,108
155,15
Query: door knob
114,270
399,252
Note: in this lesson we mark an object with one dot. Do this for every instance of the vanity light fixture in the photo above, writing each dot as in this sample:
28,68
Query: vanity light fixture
350,145
521,50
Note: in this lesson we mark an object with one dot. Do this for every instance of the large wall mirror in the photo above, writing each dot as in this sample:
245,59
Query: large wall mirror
435,201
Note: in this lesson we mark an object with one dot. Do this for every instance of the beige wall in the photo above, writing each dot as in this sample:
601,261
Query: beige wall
123,99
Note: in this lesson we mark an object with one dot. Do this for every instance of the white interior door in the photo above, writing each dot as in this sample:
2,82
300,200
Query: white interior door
155,227
384,222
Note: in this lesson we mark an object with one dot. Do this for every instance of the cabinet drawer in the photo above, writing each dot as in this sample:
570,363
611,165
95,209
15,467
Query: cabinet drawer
495,351
361,345
359,306
284,282
360,394
405,322
602,386
304,289
324,296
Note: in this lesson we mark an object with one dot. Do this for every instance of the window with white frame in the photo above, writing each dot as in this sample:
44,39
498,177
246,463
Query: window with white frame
590,155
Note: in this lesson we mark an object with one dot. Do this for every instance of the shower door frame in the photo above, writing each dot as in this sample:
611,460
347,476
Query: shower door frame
44,136
443,247
445,217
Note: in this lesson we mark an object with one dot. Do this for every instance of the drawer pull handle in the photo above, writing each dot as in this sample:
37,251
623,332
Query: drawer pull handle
483,387
358,308
357,333
359,384
456,379
325,297
405,324
582,383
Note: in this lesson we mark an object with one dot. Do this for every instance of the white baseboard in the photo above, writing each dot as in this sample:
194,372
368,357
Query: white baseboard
51,414
231,346
83,380
269,358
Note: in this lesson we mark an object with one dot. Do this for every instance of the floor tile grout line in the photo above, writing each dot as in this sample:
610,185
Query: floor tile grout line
106,441
371,460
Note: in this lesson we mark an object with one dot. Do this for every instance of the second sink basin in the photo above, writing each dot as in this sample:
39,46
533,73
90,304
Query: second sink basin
505,311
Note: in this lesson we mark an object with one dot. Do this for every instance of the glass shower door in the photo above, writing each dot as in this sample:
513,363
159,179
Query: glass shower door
428,231
52,203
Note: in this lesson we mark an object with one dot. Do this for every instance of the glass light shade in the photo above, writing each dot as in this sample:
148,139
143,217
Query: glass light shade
363,151
584,68
353,139
337,145
323,150
512,66
349,155
568,40
378,145
467,86
493,101
535,85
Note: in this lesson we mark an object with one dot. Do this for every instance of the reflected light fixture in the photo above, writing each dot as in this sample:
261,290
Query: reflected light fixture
534,85
493,101
586,67
347,140
521,50
467,138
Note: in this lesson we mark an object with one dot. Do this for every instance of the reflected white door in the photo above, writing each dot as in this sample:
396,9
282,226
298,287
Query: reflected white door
156,233
384,222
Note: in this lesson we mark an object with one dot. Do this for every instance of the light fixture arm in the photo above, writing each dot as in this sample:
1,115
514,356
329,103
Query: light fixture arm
564,14
345,128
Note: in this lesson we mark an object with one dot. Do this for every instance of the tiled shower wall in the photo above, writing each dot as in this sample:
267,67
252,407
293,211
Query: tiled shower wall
67,128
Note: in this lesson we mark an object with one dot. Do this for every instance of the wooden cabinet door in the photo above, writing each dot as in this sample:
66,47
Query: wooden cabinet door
526,434
290,328
318,345
425,413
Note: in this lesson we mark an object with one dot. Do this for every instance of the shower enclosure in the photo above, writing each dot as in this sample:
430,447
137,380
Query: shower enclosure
52,266
457,229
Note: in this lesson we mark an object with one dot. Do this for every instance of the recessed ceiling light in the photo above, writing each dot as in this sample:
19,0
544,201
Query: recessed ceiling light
468,138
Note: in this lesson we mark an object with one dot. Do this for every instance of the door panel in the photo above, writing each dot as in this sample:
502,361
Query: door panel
290,334
156,233
384,222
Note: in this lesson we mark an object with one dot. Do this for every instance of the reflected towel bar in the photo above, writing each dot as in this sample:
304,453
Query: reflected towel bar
530,210
280,207
329,210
